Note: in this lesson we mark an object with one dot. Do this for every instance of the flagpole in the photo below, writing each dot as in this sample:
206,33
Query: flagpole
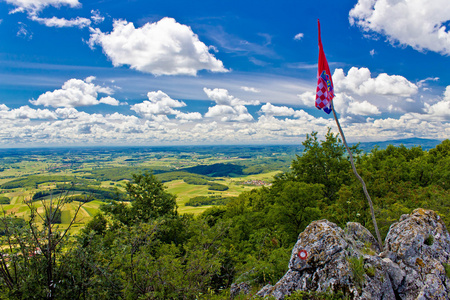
359,178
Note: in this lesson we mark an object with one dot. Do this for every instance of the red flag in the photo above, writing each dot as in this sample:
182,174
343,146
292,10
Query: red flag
325,90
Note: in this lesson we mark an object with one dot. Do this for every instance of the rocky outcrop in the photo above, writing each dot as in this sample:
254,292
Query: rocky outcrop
412,264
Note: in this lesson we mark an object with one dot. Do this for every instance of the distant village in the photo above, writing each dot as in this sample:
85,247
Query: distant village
255,182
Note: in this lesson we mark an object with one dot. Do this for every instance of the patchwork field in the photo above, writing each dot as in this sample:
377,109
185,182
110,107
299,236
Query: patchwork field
39,175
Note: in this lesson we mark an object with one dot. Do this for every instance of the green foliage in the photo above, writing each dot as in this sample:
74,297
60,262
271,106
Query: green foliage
32,260
213,186
429,240
4,200
313,295
296,205
208,200
33,180
447,269
149,198
97,224
216,170
357,268
323,163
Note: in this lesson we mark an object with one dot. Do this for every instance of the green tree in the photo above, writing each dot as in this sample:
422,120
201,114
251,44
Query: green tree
149,198
323,163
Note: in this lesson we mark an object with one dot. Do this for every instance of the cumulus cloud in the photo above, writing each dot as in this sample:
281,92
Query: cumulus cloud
228,108
360,82
25,112
307,98
273,110
222,97
109,100
62,22
225,113
160,105
421,24
34,6
74,93
440,110
161,48
363,108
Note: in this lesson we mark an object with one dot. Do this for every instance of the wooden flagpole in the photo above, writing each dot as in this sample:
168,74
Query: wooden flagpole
359,178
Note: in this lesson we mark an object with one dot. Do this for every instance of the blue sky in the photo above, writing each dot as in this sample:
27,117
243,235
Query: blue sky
76,73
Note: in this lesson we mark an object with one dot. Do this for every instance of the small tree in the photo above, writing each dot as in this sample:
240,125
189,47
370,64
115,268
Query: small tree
30,262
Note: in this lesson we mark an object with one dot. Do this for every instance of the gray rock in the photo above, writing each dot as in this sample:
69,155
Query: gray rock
410,267
239,289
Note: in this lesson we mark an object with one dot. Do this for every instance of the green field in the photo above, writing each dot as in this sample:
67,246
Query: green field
111,169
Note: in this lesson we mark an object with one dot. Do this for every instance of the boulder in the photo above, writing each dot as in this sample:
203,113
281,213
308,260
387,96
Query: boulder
327,258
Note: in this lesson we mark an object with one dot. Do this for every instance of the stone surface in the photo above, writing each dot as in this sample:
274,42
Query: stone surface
410,267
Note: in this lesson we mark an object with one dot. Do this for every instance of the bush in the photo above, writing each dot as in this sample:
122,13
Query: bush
211,200
4,200
217,187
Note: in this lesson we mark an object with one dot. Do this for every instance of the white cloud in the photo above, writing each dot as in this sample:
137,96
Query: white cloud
34,6
25,112
188,116
439,110
159,107
222,97
420,24
363,109
250,89
23,31
298,36
225,113
307,98
61,22
360,82
96,17
228,108
74,93
109,100
273,110
372,52
162,48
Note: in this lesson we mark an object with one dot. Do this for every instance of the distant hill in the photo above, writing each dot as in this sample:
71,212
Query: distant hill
426,144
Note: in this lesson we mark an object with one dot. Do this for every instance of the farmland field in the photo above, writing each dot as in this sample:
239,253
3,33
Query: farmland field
100,175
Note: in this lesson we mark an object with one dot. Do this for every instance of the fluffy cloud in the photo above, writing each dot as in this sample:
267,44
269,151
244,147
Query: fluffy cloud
360,82
25,112
34,6
160,106
440,110
162,48
420,24
228,108
363,108
61,22
225,113
74,93
222,97
109,100
273,110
